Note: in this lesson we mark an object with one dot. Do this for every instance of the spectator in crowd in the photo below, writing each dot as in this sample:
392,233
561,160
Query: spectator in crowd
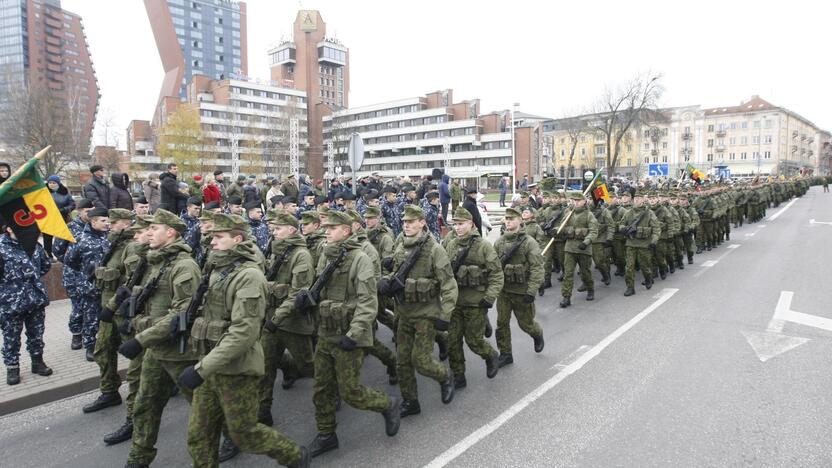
212,192
97,189
64,202
219,181
152,192
445,195
119,194
172,198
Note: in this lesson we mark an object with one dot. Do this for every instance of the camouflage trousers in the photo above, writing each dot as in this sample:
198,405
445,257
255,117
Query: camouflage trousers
338,372
233,399
679,247
90,308
414,343
572,260
76,319
508,303
619,253
155,385
107,342
661,255
467,323
644,258
548,259
601,256
302,361
12,325
381,352
687,240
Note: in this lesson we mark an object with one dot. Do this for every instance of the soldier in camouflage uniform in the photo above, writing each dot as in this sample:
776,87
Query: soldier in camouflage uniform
522,277
641,228
673,232
289,270
423,306
660,253
260,232
23,301
684,230
109,276
580,231
602,244
310,225
192,233
226,379
392,209
169,284
529,218
620,205
206,222
59,248
690,239
82,258
134,262
346,309
381,237
479,276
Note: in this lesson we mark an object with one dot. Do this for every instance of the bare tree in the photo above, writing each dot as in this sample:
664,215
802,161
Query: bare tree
619,110
575,126
108,133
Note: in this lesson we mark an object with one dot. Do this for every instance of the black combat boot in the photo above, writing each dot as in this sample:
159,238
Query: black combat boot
680,264
582,288
619,271
460,381
264,417
629,292
228,450
504,360
492,366
76,342
488,330
662,273
323,443
122,434
541,291
690,259
538,343
39,367
565,302
104,400
446,388
605,275
671,267
89,354
290,376
392,417
409,408
560,278
547,283
442,342
648,284
13,375
305,459
590,295
136,465
699,250
392,376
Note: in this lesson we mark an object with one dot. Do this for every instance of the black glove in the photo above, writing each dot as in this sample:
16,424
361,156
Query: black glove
652,246
582,246
607,243
347,344
384,286
528,299
302,300
270,326
387,263
485,304
190,378
130,349
106,315
174,327
122,294
123,308
123,328
441,325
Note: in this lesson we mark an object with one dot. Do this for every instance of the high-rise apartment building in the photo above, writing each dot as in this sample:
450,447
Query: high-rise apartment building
43,45
197,37
318,65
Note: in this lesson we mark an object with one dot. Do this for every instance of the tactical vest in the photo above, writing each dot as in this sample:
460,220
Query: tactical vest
335,311
472,273
158,304
215,313
419,287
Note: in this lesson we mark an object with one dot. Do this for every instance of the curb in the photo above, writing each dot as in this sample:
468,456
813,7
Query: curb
52,394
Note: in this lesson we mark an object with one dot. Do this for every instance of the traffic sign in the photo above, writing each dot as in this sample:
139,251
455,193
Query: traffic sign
656,170
724,173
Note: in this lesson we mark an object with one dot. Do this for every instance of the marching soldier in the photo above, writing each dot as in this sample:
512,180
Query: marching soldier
346,305
289,270
523,274
666,224
694,227
602,244
226,379
381,237
641,228
479,276
82,258
310,225
70,276
425,291
580,232
620,206
167,287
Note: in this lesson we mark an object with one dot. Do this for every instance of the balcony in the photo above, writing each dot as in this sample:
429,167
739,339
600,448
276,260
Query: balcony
795,134
720,133
720,148
794,148
654,152
687,136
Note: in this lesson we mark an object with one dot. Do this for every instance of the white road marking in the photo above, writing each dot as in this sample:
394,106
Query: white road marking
733,246
812,221
767,345
761,226
783,210
710,263
749,234
571,358
777,323
462,446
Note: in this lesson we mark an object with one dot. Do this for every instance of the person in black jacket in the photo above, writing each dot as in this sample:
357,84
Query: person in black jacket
470,204
119,193
171,195
64,202
98,190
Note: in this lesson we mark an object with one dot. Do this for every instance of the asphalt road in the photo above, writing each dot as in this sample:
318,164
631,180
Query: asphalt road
664,378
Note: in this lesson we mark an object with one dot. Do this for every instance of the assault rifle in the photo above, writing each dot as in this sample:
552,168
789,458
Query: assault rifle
124,292
187,316
278,262
630,230
460,257
308,298
512,250
395,284
137,303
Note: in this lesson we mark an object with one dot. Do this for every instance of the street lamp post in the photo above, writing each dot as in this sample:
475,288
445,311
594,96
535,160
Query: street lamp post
513,153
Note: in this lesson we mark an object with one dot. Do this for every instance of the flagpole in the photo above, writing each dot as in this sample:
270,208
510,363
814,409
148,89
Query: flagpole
38,156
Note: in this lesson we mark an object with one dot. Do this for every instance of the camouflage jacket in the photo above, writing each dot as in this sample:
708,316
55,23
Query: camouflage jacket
21,287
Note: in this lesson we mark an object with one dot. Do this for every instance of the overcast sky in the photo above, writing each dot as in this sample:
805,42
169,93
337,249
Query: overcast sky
550,57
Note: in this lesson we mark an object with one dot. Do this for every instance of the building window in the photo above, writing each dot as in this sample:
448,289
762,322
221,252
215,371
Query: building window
733,125
767,138
745,125
195,24
768,123
733,140
196,44
756,124
219,39
743,155
732,156
755,140
664,145
196,64
219,20
744,140
710,128
710,157
768,154
710,143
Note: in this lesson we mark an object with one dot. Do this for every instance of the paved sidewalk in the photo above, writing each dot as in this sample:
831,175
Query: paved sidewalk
72,373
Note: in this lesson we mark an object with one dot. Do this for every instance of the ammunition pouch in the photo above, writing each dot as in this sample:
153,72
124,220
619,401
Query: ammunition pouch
470,276
206,334
420,290
335,317
107,278
515,273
